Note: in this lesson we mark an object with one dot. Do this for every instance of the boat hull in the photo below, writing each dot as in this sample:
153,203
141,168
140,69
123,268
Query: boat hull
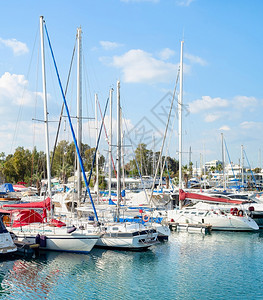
6,243
58,240
225,222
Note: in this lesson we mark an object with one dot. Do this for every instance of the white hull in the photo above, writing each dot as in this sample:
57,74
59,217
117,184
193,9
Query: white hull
127,236
6,243
226,222
57,239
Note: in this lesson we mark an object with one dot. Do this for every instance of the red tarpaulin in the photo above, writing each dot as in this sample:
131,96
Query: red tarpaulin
26,217
183,195
46,204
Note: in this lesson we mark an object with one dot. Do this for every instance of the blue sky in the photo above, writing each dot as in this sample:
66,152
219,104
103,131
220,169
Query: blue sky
138,43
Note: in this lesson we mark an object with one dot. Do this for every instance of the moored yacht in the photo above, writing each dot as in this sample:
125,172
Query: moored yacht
217,218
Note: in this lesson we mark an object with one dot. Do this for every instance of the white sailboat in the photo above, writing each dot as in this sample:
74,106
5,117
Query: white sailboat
125,235
53,235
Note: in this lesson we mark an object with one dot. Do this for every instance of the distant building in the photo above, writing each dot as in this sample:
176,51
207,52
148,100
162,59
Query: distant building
214,163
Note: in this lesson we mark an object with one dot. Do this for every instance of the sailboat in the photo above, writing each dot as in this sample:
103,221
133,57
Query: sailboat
31,226
124,235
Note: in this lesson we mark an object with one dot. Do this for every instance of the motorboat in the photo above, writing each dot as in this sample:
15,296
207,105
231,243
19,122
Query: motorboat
217,218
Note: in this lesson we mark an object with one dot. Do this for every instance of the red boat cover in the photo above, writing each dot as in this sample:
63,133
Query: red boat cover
26,217
46,204
183,195
56,223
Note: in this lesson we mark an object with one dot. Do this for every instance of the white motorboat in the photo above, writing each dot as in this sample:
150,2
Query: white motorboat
218,219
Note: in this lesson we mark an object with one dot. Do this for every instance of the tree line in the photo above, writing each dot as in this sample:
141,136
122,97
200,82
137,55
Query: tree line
30,166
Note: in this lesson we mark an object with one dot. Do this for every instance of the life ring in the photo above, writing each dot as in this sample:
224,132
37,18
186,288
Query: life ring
146,218
240,213
6,220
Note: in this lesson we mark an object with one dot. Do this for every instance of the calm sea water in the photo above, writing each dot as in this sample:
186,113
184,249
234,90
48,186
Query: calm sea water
189,266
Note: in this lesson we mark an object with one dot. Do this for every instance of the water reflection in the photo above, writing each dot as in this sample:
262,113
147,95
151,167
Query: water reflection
186,266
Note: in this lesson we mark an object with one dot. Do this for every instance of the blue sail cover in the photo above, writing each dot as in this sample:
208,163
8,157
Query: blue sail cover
6,188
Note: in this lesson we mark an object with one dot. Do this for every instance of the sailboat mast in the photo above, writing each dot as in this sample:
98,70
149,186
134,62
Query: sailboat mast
180,103
122,156
79,110
97,154
223,161
45,106
110,143
242,166
118,151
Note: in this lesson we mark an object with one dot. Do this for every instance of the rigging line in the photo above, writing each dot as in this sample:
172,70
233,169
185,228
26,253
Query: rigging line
254,179
34,125
23,94
136,162
62,108
97,146
87,91
71,126
168,146
160,156
115,172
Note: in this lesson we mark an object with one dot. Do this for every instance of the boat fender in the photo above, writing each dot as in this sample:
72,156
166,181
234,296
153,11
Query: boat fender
37,240
43,241
146,218
240,213
71,229
251,208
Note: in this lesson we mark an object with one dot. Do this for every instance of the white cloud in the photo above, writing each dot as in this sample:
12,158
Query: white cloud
211,117
18,48
140,66
245,102
184,2
224,128
13,90
207,103
166,53
107,45
195,59
250,125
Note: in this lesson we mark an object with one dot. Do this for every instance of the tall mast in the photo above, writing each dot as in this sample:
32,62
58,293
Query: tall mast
79,110
180,103
45,106
122,155
242,166
97,154
118,151
110,143
223,161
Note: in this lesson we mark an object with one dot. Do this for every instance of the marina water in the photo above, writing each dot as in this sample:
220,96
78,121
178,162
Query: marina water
222,265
